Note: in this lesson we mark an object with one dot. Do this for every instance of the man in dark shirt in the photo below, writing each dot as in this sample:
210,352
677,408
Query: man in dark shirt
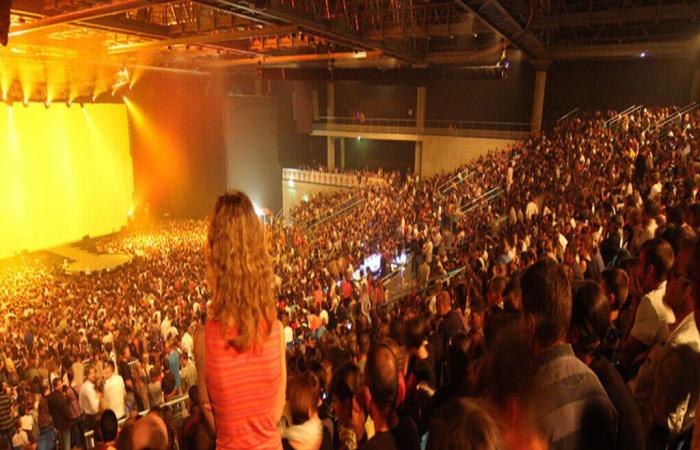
590,324
59,409
379,398
450,325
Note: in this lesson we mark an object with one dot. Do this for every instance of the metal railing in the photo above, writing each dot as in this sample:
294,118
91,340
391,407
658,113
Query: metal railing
455,181
329,178
568,114
484,198
517,130
341,209
678,115
90,434
617,117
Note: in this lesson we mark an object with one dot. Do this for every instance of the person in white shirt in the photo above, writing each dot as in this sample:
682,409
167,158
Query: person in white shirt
187,342
89,398
666,396
114,391
651,323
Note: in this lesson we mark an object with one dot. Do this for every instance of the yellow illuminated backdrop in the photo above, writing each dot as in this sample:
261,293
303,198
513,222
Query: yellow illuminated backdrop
64,173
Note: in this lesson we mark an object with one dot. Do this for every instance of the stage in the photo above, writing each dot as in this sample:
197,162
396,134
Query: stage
78,261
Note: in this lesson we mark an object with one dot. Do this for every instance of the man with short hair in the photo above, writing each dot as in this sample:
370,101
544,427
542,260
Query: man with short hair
114,391
666,388
89,398
571,407
379,396
653,317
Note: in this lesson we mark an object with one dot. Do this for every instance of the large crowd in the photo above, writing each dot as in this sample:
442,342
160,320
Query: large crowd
556,312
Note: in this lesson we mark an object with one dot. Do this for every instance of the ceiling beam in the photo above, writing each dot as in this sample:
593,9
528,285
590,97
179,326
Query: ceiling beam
643,14
497,16
80,15
270,60
627,51
205,39
327,29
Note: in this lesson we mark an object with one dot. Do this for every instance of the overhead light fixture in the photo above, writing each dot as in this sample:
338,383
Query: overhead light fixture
643,55
360,55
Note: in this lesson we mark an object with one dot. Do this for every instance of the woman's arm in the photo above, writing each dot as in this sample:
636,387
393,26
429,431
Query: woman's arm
200,360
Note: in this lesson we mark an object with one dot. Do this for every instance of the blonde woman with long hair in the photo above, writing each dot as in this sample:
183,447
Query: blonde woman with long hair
240,352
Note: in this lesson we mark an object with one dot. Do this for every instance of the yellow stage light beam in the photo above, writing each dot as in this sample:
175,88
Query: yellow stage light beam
70,177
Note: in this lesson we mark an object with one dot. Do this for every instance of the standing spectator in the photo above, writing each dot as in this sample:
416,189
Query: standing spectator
6,425
379,397
90,399
174,360
188,373
241,354
59,408
114,391
570,406
590,324
653,316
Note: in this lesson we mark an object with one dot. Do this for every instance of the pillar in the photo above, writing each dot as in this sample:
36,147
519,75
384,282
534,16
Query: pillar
538,100
695,88
342,153
330,112
420,129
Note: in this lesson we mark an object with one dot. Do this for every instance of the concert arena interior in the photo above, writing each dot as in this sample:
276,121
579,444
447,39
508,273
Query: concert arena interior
350,224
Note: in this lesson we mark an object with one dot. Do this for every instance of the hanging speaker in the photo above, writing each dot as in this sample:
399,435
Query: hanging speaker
5,6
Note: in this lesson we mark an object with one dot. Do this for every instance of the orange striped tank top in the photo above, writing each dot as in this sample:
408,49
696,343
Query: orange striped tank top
243,390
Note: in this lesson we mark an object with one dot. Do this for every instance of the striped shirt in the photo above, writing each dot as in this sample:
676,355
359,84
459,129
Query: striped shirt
572,409
5,413
244,389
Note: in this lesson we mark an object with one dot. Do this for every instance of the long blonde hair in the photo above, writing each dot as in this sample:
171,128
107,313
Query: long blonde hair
239,272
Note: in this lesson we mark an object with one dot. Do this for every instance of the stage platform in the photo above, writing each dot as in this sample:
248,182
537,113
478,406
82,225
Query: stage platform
81,261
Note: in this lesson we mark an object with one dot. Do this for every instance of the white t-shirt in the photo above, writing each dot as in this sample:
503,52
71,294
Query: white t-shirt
20,439
288,334
115,395
653,317
187,343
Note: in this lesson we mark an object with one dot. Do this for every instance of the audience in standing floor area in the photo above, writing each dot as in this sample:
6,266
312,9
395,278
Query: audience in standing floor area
557,314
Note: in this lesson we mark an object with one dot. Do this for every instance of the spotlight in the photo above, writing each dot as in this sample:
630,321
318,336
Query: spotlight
47,103
68,103
25,102
643,55
82,105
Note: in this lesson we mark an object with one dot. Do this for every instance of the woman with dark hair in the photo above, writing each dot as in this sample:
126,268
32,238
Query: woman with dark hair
590,323
346,382
241,353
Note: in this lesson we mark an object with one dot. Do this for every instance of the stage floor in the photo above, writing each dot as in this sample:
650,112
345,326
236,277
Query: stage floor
81,261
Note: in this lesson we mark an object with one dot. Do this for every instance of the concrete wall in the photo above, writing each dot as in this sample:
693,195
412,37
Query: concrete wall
293,193
445,153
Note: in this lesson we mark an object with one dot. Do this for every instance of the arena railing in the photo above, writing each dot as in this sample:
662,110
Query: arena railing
515,130
329,178
179,402
678,115
341,209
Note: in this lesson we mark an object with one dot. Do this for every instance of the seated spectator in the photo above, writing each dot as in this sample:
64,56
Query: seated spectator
305,432
571,408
